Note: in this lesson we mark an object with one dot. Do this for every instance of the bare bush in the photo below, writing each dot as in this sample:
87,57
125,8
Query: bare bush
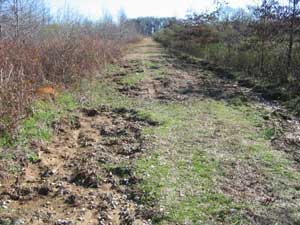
34,53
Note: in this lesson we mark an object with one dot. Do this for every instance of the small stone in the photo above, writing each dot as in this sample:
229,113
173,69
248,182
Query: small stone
233,210
19,222
109,217
63,222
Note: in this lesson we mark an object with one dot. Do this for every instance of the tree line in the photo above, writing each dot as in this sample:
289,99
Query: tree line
261,43
150,25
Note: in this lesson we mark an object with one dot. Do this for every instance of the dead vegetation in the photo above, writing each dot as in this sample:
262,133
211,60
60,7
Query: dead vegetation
49,52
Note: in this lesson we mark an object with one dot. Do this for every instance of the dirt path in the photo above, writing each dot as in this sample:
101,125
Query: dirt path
254,143
79,178
172,142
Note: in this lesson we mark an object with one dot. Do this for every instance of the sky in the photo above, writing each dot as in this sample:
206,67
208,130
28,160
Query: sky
93,9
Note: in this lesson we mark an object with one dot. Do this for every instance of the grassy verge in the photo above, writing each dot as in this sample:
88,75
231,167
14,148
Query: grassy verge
38,126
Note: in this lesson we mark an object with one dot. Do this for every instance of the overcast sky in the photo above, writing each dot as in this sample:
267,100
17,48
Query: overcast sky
135,8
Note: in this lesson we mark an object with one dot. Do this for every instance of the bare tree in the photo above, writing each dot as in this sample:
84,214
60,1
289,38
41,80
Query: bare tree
264,27
294,14
22,18
122,17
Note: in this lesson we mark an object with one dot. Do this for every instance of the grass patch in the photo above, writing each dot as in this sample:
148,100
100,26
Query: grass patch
269,133
99,92
180,174
38,125
192,146
5,140
33,157
154,173
133,79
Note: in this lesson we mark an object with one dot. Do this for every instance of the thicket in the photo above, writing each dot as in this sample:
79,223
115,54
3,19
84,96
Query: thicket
37,49
261,44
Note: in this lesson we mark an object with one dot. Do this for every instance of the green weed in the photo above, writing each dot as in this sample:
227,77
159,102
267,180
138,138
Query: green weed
33,157
38,126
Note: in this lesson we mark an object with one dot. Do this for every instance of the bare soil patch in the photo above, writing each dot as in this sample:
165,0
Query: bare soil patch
79,177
